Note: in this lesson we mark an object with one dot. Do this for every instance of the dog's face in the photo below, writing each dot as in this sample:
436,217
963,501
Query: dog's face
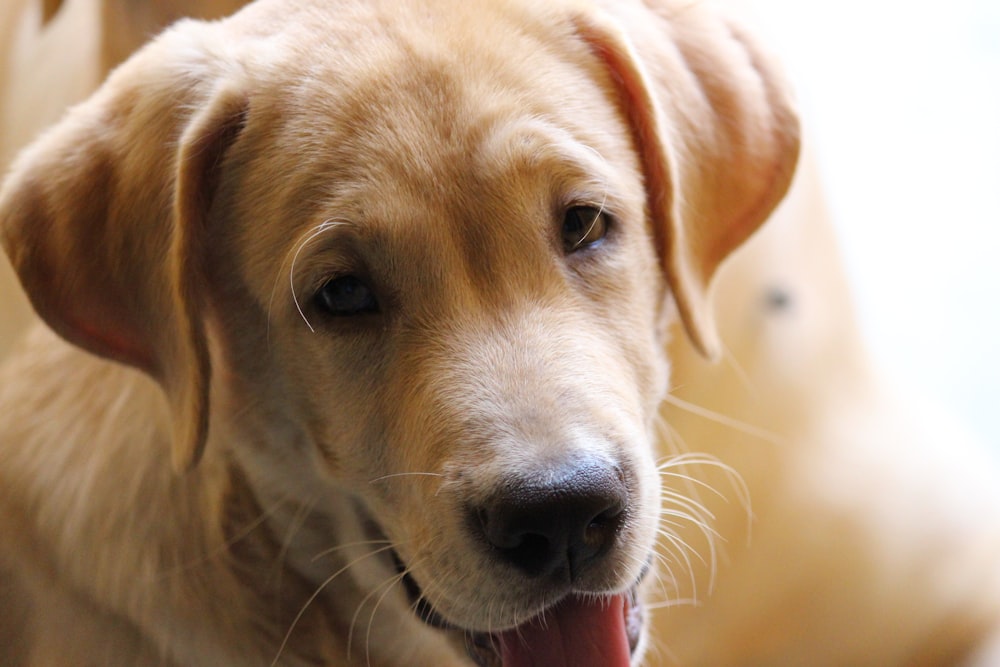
423,255
463,311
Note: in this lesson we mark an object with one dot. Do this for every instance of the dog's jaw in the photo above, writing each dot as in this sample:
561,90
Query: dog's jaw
579,630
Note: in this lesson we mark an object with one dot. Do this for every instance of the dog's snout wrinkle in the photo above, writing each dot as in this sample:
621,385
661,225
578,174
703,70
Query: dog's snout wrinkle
559,526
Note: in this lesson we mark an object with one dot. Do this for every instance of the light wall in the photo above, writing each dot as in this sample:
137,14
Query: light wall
904,102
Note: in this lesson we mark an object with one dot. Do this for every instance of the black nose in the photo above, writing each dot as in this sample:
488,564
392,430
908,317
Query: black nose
559,524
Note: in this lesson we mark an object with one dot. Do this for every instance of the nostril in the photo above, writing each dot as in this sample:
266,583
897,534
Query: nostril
521,539
532,553
602,528
558,526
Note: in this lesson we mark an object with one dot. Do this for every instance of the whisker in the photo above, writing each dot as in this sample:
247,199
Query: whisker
704,528
294,526
729,358
665,563
690,458
730,422
681,549
317,231
405,474
350,545
385,587
600,211
735,480
676,602
693,507
312,598
681,511
222,548
680,454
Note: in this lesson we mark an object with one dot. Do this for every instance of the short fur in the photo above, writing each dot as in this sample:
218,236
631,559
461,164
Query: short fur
177,225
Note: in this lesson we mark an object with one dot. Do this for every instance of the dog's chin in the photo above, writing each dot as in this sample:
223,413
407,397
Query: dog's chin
584,630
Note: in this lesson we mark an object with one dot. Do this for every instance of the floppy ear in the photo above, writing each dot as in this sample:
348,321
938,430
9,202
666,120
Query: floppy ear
104,221
716,133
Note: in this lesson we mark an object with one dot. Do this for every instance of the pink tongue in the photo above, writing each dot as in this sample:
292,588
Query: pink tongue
575,633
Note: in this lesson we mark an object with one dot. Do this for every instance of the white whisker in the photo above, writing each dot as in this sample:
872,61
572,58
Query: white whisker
315,232
385,587
667,468
683,511
405,474
350,545
294,526
676,602
312,598
680,551
233,539
600,212
730,422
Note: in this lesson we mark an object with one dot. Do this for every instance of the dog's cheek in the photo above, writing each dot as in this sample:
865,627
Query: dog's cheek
626,294
635,315
291,400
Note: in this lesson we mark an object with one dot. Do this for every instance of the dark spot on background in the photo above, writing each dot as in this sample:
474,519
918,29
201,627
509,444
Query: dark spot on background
778,299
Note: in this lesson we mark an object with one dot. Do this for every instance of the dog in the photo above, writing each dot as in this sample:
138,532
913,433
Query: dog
356,329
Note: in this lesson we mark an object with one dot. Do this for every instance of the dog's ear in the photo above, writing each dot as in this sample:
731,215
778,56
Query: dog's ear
716,131
104,221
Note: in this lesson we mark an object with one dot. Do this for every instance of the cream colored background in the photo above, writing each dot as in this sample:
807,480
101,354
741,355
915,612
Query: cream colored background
904,98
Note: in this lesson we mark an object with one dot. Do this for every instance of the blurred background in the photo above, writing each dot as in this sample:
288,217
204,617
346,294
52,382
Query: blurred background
903,100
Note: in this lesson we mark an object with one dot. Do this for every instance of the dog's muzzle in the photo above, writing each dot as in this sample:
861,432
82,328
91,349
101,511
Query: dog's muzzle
578,631
556,531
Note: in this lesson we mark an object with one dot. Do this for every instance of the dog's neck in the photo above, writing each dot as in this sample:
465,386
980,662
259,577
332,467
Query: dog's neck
320,572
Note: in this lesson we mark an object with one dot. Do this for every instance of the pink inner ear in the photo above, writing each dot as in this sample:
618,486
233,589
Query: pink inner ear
108,342
66,300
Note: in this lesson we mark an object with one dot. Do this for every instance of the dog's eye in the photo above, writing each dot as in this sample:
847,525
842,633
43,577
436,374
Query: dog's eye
583,226
345,296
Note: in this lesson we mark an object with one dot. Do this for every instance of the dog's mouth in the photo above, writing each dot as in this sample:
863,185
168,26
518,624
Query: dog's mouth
581,630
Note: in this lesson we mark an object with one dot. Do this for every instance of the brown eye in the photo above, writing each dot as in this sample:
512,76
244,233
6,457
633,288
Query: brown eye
583,226
346,296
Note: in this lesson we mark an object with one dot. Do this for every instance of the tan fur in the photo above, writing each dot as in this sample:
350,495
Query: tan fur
176,225
53,54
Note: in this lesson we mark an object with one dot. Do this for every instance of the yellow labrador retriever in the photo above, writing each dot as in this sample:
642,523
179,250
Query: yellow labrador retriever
389,284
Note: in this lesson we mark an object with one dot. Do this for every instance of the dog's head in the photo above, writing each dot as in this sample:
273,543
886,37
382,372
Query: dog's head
425,253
